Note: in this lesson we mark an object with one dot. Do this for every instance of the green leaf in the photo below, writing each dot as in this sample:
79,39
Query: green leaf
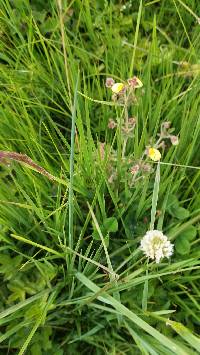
121,309
189,233
110,224
182,242
95,235
182,246
172,201
174,208
36,349
18,292
49,25
22,304
10,266
39,16
179,212
46,333
186,334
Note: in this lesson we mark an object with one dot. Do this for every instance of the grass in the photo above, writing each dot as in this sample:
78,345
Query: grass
73,279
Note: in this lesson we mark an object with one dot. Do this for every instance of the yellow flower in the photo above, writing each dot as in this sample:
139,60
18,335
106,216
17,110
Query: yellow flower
139,83
154,154
135,82
117,87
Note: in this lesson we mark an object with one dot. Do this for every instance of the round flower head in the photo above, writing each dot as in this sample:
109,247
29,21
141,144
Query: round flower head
117,87
109,82
155,245
154,154
174,140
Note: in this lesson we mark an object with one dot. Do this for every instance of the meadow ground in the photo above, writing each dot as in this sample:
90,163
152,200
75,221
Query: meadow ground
82,180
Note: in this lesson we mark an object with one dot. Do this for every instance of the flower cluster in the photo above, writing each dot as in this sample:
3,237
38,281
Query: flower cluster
124,92
134,82
166,133
126,128
140,166
155,245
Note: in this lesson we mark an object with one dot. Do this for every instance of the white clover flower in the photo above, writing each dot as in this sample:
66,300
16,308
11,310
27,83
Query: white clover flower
156,245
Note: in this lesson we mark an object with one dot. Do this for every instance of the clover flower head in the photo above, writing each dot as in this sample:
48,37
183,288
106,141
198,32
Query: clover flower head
155,245
117,87
153,154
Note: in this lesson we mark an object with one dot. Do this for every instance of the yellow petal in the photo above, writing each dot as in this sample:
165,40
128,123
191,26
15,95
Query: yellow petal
154,154
117,87
139,83
135,82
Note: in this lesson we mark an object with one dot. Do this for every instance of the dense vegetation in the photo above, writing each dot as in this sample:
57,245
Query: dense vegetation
78,190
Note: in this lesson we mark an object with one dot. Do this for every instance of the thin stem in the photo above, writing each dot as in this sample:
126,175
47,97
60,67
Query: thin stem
145,289
126,98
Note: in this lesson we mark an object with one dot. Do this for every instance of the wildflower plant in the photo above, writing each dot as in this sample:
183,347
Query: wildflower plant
124,95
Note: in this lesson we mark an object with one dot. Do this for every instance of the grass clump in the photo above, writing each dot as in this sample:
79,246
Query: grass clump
87,169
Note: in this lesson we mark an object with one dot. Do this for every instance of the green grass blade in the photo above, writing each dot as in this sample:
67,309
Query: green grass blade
167,342
71,204
135,39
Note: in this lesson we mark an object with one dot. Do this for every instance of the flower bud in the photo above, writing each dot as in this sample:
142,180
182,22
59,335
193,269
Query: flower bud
132,121
166,125
112,124
109,82
174,140
134,169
